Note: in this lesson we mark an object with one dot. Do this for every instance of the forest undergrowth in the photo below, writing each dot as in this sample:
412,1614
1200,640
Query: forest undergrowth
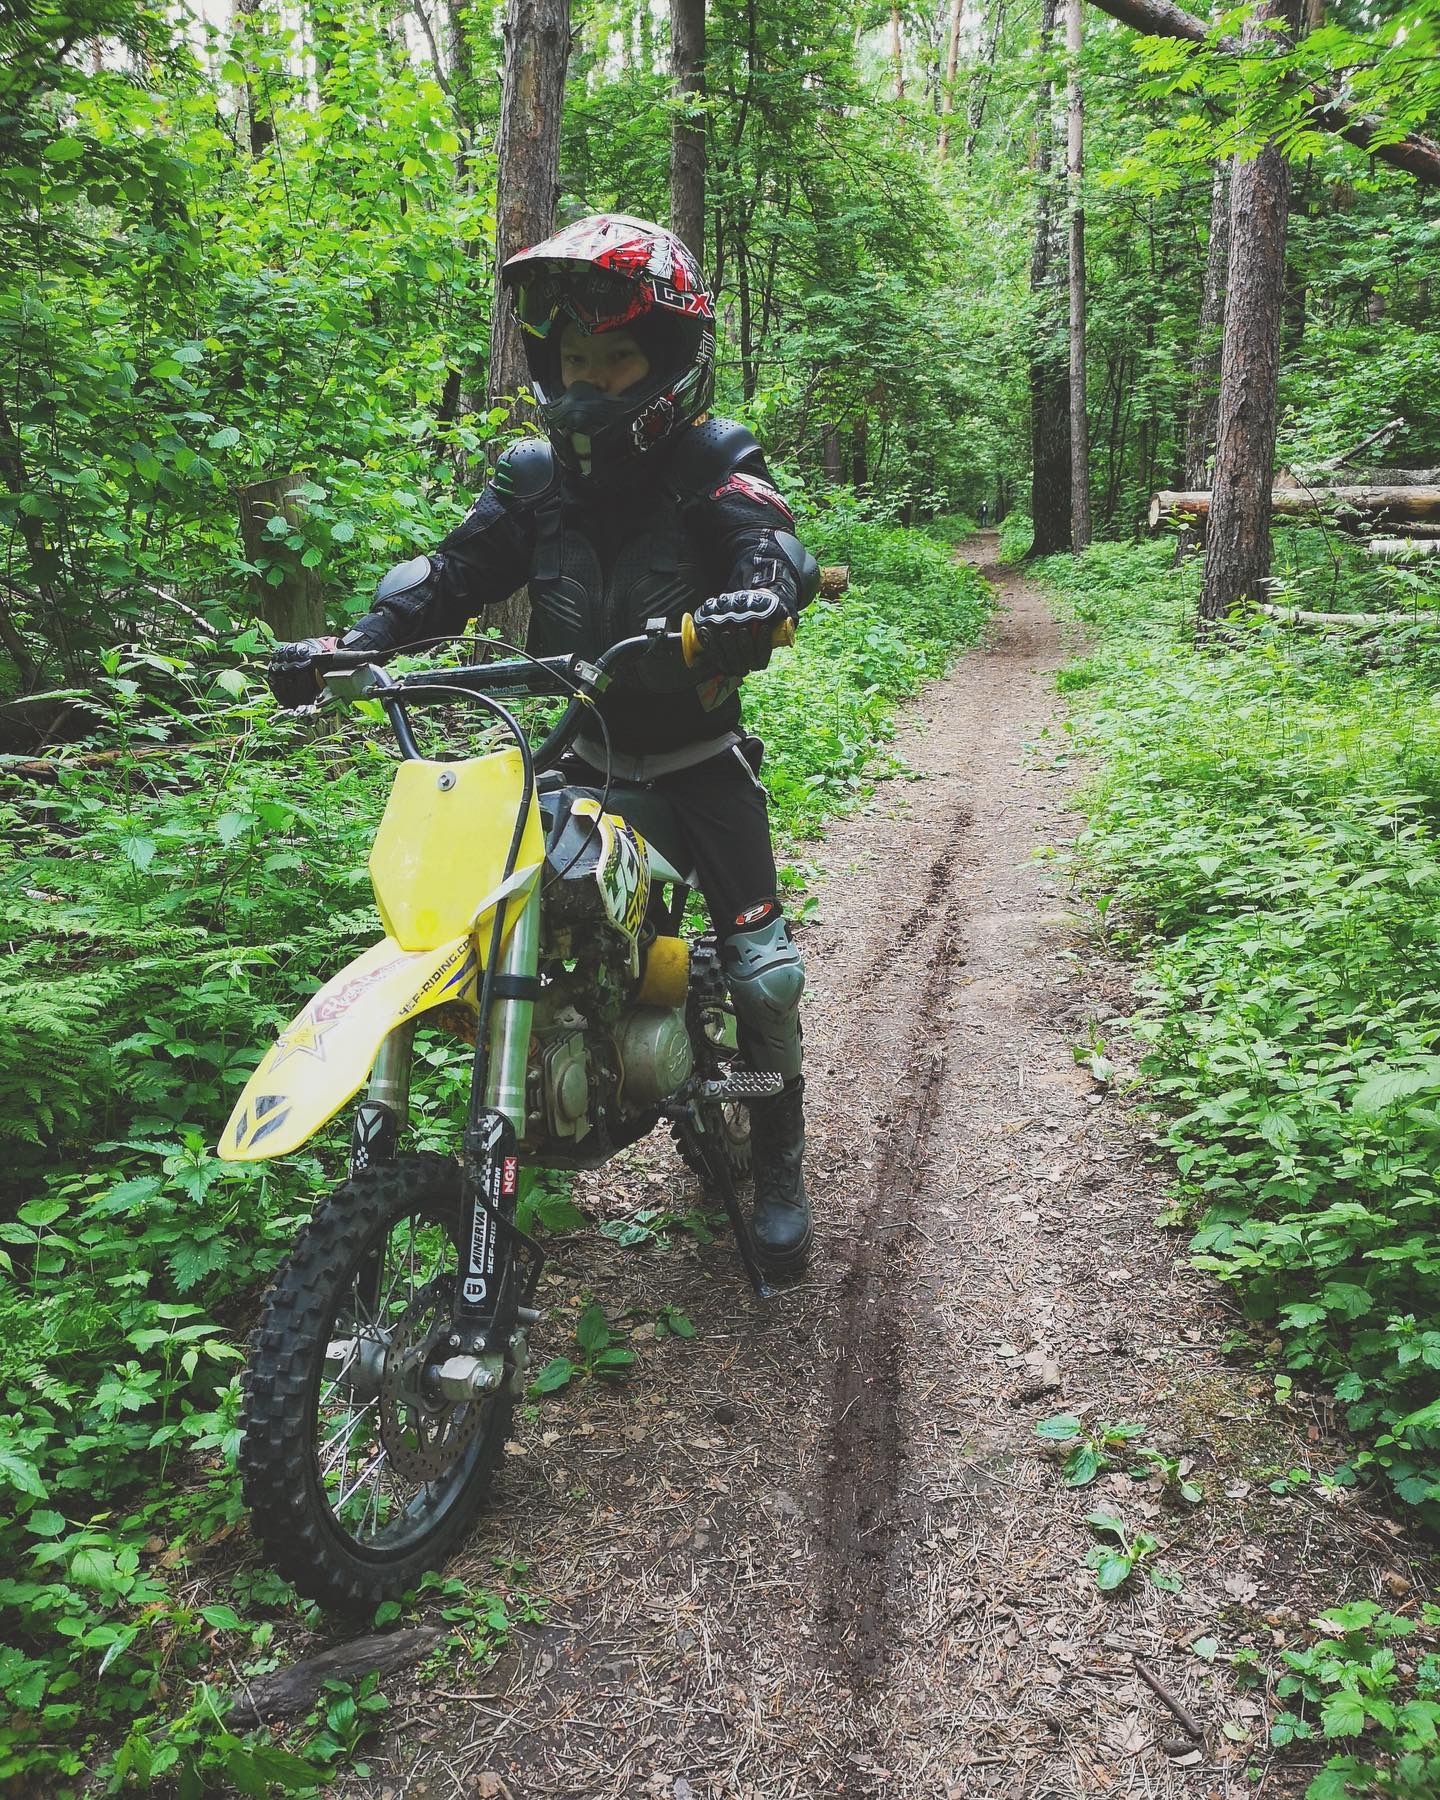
1262,839
166,913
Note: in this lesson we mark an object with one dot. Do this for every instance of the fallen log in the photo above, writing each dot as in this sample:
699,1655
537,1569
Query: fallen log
1403,549
1376,475
1299,615
1374,502
291,1690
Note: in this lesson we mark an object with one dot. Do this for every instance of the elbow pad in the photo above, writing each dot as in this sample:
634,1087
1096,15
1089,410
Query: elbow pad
400,598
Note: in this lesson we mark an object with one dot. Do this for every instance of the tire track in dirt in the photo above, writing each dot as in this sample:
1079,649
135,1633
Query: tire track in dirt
862,1509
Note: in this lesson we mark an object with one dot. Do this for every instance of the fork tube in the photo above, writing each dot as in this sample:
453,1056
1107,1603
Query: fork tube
510,1019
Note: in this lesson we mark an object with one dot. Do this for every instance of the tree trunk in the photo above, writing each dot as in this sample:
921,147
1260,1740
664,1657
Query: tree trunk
1237,557
897,51
258,114
1205,364
295,607
980,91
687,132
527,149
1074,174
833,455
952,67
1049,375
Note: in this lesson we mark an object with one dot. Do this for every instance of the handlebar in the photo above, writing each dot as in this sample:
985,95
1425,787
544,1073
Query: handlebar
353,674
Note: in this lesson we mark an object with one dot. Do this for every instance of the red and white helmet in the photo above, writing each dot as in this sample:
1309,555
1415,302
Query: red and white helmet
610,273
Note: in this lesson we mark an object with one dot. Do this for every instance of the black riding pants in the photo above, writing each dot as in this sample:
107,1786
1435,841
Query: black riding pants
723,822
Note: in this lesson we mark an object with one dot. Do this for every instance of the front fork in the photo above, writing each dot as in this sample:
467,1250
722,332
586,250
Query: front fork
487,1323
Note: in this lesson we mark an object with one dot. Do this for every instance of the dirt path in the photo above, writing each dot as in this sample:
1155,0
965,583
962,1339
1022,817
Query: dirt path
815,1551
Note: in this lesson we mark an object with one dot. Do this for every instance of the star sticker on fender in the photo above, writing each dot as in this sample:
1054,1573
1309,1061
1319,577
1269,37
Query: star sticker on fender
302,1039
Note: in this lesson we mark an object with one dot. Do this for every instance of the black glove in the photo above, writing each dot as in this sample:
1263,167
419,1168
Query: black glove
735,629
291,671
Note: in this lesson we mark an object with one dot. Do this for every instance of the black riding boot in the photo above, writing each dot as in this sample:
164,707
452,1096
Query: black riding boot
782,1228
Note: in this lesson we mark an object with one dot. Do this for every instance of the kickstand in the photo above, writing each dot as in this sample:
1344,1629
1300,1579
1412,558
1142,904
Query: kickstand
720,1178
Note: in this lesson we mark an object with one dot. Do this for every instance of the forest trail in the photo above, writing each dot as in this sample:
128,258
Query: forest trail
817,1551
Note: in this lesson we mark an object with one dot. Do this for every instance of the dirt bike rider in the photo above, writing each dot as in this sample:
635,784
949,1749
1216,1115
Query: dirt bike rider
637,504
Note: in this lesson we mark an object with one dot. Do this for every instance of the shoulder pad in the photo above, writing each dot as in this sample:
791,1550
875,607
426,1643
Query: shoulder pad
526,472
706,454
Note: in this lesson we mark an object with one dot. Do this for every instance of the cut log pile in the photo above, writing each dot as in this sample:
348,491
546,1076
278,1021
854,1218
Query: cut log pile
1349,497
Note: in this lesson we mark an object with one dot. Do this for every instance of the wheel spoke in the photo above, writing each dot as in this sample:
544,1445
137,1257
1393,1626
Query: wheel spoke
342,1437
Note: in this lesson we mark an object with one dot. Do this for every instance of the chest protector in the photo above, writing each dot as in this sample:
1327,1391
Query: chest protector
606,562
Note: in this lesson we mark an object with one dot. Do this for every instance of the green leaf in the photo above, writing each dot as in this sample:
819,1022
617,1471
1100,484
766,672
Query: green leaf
63,150
139,850
679,1324
1082,1466
1381,1091
232,825
342,531
223,1618
283,1769
45,1523
224,439
1112,1570
555,1374
1343,1715
1106,1524
592,1332
1166,1580
41,1213
1057,1429
614,1359
1206,1648
21,1473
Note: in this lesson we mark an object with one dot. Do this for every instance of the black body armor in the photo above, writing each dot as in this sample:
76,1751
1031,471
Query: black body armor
601,560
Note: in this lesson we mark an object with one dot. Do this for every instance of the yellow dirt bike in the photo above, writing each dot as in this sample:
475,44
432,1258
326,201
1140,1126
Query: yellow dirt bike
547,924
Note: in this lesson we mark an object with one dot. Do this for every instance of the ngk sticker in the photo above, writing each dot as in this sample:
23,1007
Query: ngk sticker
510,1176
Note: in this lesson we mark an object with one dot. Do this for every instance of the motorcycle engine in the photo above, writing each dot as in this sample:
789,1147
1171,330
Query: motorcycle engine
655,1055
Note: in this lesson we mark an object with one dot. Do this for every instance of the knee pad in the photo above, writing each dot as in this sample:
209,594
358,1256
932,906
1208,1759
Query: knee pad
766,979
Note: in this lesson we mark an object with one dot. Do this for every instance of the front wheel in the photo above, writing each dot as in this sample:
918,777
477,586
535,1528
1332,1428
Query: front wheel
360,1474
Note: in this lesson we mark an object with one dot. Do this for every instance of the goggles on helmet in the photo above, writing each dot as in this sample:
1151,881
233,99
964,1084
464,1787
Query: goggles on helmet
595,299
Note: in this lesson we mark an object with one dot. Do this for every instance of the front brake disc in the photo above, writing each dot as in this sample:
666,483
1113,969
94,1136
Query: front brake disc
424,1434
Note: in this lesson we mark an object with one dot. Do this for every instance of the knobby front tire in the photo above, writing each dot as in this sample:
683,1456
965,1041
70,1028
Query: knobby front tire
371,1273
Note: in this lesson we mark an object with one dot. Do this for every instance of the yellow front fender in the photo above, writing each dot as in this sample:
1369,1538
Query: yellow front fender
321,1058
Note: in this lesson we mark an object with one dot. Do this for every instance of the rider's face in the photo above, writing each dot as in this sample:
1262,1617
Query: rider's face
611,361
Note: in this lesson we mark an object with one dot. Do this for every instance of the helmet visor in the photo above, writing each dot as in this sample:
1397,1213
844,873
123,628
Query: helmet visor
596,299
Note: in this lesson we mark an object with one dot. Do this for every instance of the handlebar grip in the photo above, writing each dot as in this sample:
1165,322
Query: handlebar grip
690,647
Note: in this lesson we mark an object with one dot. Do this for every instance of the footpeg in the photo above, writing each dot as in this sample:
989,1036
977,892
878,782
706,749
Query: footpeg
744,1084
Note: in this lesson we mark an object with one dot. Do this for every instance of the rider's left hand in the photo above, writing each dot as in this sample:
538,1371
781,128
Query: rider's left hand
736,631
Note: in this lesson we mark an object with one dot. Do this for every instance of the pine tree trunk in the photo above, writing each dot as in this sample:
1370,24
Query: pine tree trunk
1237,557
1074,174
687,132
897,51
1049,355
1205,365
537,49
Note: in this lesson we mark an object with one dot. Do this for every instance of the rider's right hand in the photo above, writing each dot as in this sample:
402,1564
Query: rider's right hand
291,671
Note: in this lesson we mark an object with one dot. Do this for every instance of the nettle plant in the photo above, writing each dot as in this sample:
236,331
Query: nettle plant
1268,820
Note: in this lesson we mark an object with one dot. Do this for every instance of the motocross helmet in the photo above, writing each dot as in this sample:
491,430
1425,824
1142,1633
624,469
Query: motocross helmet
611,273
